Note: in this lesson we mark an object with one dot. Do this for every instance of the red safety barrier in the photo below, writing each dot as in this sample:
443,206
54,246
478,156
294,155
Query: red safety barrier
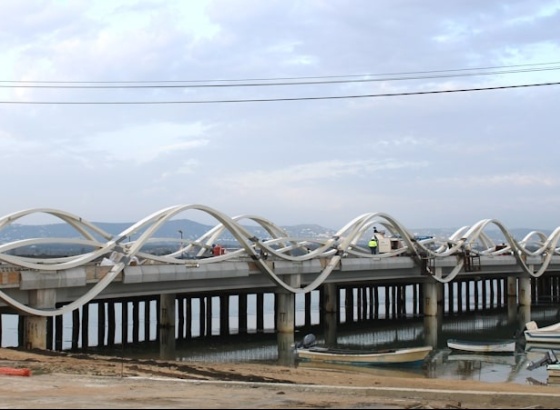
13,371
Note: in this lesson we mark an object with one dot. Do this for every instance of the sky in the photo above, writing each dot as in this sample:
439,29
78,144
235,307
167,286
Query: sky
437,113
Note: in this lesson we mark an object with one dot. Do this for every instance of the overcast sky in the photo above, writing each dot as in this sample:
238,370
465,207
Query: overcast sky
258,135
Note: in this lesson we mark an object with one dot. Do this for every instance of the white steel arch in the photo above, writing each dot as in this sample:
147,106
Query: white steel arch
345,243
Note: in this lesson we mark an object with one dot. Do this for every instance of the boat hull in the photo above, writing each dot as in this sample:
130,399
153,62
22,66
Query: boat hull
414,355
548,334
487,346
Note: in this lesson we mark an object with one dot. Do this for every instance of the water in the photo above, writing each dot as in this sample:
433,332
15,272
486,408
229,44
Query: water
380,333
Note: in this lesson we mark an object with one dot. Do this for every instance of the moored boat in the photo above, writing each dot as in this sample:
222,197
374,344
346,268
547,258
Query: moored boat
410,355
553,370
308,351
546,334
482,346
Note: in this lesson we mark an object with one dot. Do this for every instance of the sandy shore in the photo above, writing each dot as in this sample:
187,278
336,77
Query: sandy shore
61,380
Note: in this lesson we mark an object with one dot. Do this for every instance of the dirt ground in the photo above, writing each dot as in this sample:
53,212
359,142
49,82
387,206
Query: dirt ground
71,381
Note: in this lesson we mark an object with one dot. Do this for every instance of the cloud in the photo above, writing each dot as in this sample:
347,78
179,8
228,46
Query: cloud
113,110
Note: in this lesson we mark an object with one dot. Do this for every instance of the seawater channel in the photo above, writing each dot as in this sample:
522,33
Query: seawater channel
379,333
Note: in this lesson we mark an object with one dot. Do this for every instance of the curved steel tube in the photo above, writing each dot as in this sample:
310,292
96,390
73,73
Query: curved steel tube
345,243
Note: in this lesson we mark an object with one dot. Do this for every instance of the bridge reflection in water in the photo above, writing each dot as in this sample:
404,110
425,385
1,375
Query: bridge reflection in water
391,333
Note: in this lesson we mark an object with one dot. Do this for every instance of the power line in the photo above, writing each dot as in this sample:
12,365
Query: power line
277,99
189,84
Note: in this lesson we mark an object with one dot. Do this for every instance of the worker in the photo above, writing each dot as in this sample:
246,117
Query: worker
373,245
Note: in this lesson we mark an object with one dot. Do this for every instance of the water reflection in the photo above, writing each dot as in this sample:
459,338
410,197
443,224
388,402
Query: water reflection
441,363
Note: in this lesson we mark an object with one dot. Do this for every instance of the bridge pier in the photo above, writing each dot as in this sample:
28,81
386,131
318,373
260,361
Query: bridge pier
524,288
329,305
286,301
431,298
167,326
35,327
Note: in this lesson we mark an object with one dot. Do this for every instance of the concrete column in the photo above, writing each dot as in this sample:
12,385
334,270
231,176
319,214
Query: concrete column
331,298
286,356
511,289
285,318
430,298
167,326
431,324
511,286
35,327
524,287
329,310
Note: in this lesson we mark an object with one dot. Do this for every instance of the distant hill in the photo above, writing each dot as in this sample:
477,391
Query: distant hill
190,230
193,230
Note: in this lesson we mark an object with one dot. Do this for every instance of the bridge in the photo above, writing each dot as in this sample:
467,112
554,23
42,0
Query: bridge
114,266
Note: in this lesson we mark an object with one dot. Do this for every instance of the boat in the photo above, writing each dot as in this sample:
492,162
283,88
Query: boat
407,355
546,334
482,346
308,351
553,370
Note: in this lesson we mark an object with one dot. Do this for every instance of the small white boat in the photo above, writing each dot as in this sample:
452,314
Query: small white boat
553,370
482,346
307,350
410,355
546,334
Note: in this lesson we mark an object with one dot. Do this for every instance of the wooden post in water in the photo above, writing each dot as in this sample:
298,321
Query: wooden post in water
58,332
181,302
202,316
85,326
147,315
209,308
101,324
260,312
135,321
75,328
242,312
224,315
307,309
111,323
349,304
124,322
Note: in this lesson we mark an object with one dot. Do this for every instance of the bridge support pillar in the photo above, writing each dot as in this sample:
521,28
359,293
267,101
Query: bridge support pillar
330,312
167,326
285,318
35,327
525,291
512,287
331,298
431,298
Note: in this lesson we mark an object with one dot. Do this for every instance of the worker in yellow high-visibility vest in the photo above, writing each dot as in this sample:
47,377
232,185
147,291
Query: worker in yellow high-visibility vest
373,245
